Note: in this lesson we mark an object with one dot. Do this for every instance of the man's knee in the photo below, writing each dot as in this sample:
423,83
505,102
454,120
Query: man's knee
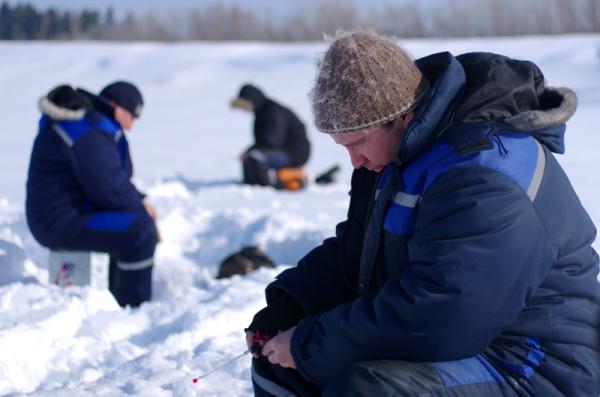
132,286
271,380
384,378
354,381
140,239
256,171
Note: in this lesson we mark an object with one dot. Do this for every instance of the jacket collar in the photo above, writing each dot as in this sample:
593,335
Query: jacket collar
447,78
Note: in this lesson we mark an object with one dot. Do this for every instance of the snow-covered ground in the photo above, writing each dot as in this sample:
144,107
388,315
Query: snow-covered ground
78,342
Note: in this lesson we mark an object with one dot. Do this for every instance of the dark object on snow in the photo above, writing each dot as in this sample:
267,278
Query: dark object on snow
328,176
243,262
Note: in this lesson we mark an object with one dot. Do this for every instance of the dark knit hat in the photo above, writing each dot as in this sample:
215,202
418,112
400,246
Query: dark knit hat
125,95
363,81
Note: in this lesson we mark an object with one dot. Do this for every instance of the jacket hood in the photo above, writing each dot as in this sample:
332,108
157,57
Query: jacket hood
548,123
253,94
488,88
500,88
64,103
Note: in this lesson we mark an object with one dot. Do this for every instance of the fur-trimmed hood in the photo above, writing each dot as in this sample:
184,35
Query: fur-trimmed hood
64,103
487,88
558,106
501,88
57,112
68,104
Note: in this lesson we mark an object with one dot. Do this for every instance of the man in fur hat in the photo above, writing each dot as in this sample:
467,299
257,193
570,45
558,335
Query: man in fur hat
79,190
465,266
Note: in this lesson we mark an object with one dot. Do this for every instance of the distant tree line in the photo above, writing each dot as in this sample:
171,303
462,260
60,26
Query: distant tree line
444,18
25,22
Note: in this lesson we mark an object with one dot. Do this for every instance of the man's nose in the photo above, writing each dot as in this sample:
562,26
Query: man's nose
357,159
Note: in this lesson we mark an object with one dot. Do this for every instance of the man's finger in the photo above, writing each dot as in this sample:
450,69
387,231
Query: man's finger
268,348
273,359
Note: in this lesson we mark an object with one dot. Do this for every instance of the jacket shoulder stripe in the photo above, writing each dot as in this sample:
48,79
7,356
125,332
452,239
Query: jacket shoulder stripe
110,127
406,200
63,135
514,155
517,156
538,174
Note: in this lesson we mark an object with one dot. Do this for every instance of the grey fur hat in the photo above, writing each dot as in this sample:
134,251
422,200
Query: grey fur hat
364,80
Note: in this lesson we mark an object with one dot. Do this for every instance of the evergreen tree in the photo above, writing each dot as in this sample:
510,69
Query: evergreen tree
28,21
6,22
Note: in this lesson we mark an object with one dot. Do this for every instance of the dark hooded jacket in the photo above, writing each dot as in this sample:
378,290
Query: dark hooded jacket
472,243
80,164
276,127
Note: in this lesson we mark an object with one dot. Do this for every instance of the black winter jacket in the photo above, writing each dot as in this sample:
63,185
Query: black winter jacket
277,127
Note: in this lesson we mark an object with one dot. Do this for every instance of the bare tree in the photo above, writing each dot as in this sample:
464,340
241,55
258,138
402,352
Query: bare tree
410,18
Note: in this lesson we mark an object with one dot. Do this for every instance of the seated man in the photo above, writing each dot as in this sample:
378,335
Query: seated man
465,265
79,192
279,138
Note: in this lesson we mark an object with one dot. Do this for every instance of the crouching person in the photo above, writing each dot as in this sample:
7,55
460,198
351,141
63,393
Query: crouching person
465,266
280,142
79,190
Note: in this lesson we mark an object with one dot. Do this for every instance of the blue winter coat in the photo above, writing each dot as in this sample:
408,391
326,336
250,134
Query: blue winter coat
472,243
80,163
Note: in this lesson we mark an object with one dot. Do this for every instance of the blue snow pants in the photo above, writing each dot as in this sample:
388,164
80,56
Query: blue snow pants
130,238
470,377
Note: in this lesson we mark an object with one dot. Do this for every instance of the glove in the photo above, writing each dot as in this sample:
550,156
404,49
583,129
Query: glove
280,315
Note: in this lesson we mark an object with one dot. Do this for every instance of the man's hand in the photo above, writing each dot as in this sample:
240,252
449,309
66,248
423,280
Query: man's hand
277,350
153,214
150,210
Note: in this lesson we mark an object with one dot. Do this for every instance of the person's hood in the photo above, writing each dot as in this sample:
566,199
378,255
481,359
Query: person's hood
487,88
515,92
254,95
63,103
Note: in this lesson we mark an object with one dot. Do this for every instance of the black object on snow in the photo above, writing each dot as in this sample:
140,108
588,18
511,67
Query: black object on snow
243,262
328,176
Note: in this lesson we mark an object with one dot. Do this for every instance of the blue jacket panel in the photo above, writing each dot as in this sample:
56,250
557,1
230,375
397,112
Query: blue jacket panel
473,242
77,166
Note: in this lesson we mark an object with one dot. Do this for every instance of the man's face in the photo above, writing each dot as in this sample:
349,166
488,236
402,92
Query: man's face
124,117
376,147
243,104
